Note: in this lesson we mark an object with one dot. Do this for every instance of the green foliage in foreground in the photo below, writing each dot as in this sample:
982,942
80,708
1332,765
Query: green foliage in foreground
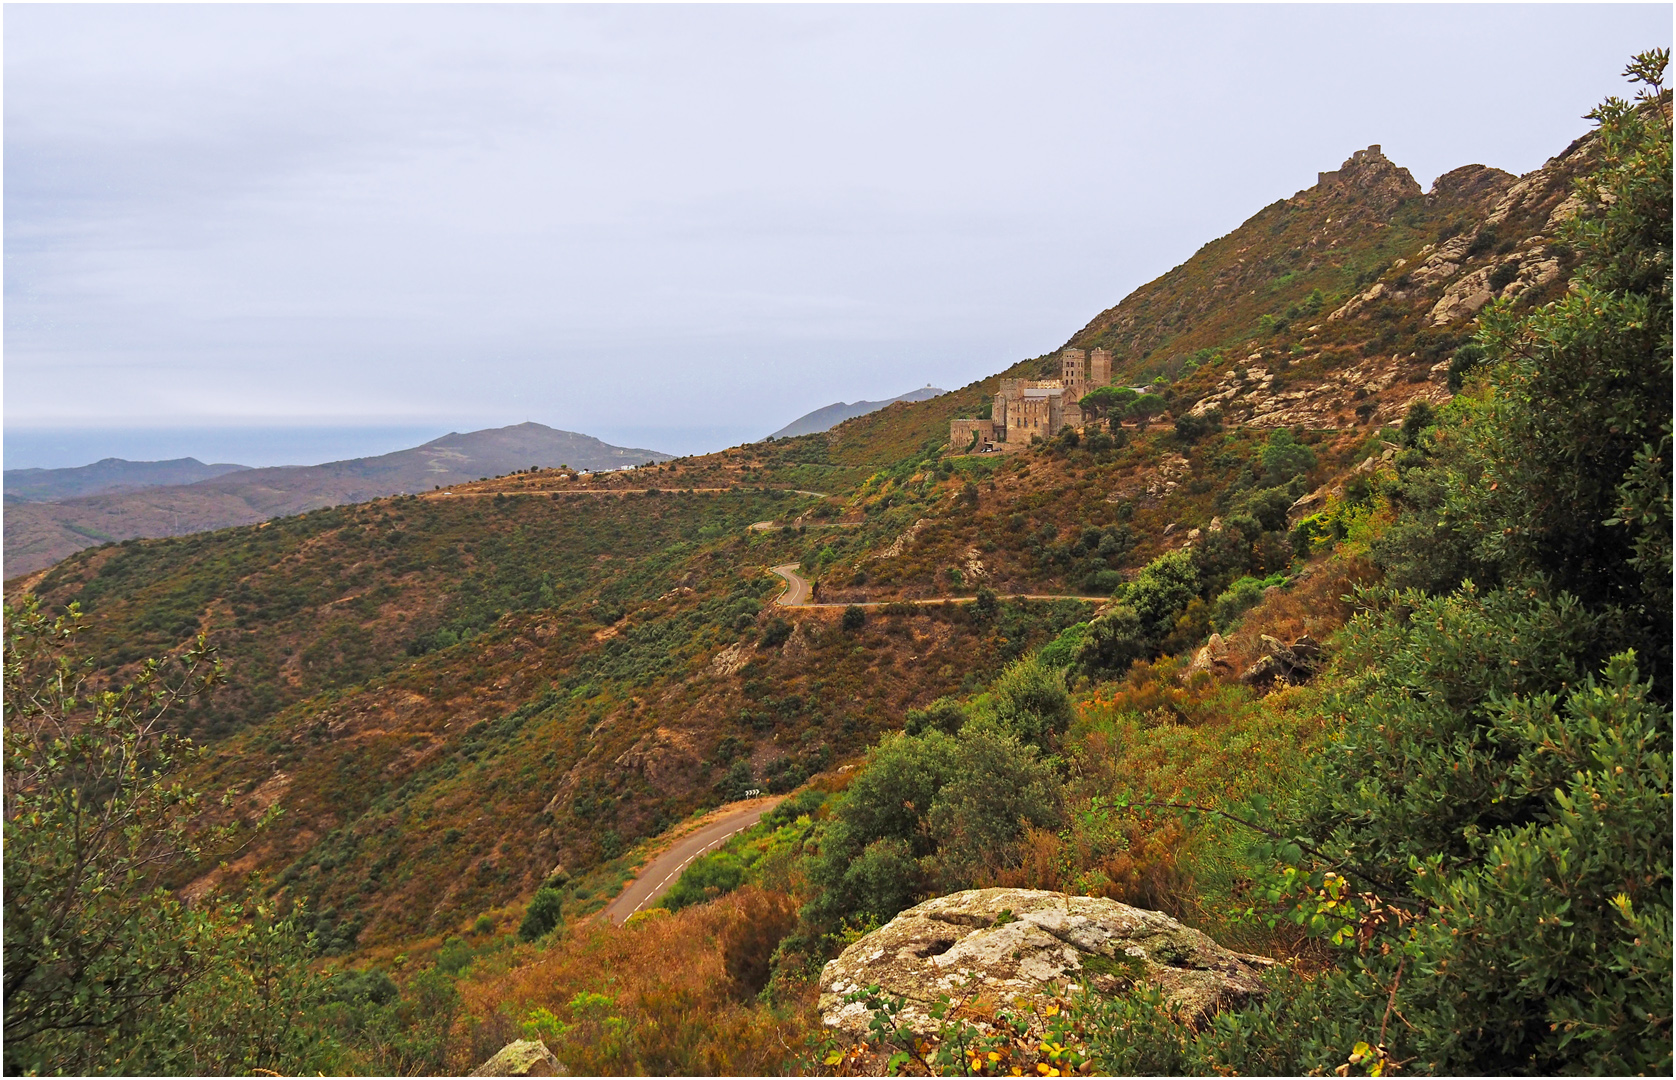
107,972
105,969
1485,839
1488,838
1545,950
934,812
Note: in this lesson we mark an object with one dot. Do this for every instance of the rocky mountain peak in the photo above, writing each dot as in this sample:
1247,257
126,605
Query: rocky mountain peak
1470,185
1371,177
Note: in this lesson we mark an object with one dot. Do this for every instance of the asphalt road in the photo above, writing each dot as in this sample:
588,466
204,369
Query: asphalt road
655,880
797,594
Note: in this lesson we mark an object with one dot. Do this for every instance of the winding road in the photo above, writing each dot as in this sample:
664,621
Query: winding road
798,591
659,875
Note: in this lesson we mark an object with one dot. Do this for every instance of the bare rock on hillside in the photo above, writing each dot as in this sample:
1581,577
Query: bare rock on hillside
1168,475
659,755
1463,298
900,544
1293,663
730,659
1208,658
802,636
526,1057
1010,943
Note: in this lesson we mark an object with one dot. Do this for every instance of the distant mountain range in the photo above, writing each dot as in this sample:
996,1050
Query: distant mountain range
39,533
108,475
838,412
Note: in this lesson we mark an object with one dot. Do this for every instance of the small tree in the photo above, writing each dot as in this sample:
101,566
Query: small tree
1104,401
1147,406
542,915
104,967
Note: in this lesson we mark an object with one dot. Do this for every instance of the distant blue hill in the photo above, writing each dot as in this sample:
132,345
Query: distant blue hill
838,412
102,477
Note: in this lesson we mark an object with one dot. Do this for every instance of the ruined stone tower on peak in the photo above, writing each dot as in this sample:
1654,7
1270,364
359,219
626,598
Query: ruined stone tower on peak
1372,178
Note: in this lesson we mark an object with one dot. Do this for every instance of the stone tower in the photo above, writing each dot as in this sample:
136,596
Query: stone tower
1099,368
1073,370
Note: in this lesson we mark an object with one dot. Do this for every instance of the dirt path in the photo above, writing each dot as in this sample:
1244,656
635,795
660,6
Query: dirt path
798,591
662,872
567,491
765,526
672,490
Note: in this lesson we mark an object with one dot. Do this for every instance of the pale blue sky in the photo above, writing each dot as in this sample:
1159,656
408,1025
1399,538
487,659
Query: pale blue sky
681,227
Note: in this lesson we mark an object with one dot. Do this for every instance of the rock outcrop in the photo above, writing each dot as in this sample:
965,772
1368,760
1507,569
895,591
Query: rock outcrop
658,755
1208,658
526,1057
1011,943
1474,187
1293,663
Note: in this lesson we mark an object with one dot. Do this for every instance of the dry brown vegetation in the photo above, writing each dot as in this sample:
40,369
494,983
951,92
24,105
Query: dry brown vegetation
670,995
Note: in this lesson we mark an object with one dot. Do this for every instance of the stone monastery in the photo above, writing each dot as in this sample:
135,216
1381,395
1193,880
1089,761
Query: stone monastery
1024,407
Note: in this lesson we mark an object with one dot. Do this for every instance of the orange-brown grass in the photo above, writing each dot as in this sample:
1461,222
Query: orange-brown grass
1314,605
1150,740
678,996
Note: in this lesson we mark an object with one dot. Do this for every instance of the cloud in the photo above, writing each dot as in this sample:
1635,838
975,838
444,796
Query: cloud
690,219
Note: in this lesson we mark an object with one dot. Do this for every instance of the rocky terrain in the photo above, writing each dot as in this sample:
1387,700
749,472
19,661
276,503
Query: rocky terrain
1000,945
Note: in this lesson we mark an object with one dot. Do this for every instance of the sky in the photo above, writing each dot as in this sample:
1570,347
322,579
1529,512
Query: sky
674,227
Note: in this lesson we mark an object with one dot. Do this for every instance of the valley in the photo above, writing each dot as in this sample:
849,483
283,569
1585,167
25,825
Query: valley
465,722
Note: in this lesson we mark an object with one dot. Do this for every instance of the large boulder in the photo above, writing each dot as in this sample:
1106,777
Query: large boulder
525,1057
1294,663
1024,943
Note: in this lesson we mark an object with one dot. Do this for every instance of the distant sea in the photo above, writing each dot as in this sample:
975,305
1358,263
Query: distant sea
47,448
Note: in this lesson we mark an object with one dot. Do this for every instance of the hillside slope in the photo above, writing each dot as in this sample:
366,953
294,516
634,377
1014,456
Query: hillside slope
452,693
37,536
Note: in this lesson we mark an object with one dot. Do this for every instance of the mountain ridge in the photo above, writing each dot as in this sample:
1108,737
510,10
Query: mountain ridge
830,416
108,475
38,535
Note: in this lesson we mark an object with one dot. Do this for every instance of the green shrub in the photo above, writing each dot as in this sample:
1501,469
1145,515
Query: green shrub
1503,275
945,715
1061,652
775,633
707,878
455,956
542,914
1239,597
1463,363
1028,701
1283,458
855,617
928,812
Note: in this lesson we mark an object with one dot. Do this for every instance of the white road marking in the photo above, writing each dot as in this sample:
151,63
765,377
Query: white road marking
701,851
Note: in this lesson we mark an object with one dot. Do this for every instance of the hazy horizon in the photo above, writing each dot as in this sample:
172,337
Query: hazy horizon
675,228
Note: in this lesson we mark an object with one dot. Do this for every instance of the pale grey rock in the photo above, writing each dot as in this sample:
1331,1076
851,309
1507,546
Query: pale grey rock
1209,656
526,1057
1463,298
1006,944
